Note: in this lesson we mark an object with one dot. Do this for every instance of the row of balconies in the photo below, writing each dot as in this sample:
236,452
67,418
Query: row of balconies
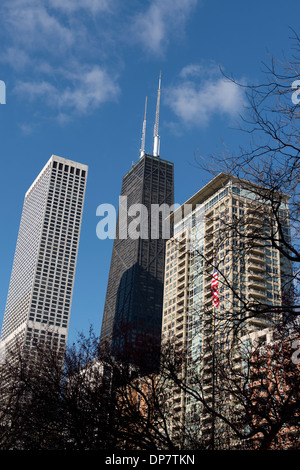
256,293
253,273
257,266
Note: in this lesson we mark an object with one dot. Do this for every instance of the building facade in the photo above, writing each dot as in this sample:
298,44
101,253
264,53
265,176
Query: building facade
273,370
133,305
41,286
225,229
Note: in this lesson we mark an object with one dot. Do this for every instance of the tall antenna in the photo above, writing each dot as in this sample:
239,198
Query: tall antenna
156,143
142,151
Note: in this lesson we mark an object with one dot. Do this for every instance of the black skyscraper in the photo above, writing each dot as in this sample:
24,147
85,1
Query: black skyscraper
134,298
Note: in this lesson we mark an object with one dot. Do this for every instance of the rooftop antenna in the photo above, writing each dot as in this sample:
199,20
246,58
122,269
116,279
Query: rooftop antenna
142,151
156,144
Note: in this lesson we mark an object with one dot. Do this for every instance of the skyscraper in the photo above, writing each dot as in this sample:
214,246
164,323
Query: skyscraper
133,305
41,286
221,271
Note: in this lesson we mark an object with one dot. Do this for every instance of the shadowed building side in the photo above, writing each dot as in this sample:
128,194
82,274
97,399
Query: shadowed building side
135,284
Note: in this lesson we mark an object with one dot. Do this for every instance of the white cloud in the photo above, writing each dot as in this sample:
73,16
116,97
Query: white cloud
15,57
53,25
54,53
27,128
195,102
191,70
37,90
95,6
163,19
94,87
89,89
206,70
32,25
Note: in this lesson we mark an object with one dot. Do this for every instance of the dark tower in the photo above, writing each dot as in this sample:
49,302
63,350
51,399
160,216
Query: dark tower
134,298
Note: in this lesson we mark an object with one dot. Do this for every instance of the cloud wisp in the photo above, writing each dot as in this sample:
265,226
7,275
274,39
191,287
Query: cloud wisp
162,20
88,90
49,45
66,54
94,6
202,93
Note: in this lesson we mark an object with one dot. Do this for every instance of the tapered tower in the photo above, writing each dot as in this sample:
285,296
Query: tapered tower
133,305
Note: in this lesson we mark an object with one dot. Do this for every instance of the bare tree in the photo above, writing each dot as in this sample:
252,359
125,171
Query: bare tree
269,168
271,162
267,171
86,400
255,403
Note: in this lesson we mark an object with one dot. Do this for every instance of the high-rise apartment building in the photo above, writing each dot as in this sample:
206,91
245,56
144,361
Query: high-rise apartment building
41,286
225,228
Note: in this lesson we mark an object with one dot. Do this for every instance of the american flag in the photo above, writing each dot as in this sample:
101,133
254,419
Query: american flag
214,288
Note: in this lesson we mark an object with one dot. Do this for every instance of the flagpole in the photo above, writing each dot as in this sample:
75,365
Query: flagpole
213,383
215,304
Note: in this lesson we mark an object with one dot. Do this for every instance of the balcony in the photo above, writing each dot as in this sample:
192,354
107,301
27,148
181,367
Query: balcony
260,250
209,236
177,407
179,328
256,266
209,245
180,307
209,252
180,316
207,327
254,282
207,387
181,250
181,269
257,293
209,225
181,260
208,301
179,343
254,274
259,321
180,290
206,420
207,354
256,256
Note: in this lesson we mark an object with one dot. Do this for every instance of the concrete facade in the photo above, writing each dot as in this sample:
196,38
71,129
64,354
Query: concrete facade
41,286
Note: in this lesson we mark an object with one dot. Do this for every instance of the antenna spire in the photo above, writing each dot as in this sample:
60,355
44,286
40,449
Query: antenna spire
156,144
142,151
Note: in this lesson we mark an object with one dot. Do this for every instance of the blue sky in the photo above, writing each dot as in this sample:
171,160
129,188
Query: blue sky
77,73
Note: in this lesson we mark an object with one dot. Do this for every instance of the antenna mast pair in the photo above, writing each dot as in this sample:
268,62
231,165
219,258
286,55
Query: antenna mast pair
156,143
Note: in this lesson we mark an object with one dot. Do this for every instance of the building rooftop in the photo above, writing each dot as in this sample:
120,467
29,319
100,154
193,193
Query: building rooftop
217,183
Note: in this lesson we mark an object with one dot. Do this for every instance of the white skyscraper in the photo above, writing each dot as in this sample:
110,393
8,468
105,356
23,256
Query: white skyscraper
41,286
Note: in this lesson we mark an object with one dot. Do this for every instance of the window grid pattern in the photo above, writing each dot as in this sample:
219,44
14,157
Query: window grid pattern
45,261
55,271
199,243
20,288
